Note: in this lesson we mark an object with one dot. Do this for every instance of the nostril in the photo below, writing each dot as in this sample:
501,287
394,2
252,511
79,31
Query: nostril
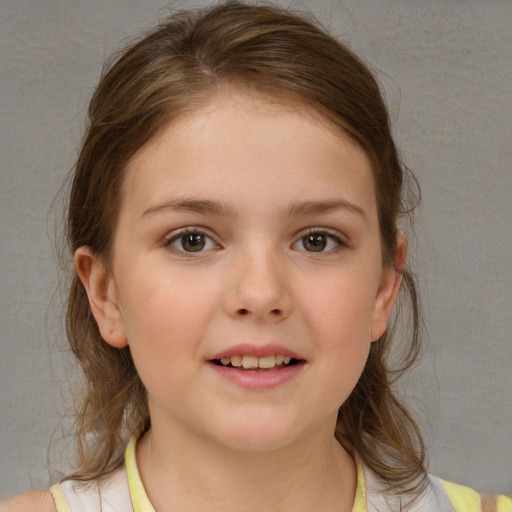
272,312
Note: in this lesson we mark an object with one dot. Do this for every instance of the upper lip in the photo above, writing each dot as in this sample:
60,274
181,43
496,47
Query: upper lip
256,350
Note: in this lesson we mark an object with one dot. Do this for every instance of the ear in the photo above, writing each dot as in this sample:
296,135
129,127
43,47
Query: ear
101,291
389,288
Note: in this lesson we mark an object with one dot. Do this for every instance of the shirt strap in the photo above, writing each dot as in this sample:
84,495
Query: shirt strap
60,499
138,494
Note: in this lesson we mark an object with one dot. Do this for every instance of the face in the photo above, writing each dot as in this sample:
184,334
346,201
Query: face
246,274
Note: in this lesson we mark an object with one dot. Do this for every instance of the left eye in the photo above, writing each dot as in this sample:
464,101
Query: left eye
317,242
193,241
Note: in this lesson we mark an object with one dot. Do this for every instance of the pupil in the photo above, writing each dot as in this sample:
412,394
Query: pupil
315,242
193,242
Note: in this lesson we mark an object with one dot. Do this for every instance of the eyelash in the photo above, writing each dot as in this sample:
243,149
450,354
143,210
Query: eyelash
180,235
331,235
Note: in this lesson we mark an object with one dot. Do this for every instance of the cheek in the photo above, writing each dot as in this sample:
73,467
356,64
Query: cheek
339,320
163,301
342,309
163,326
164,331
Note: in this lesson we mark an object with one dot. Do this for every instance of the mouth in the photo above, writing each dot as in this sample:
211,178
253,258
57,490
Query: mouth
257,364
257,367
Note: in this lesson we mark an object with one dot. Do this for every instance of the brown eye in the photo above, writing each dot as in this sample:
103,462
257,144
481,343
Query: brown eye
319,241
193,242
315,242
190,241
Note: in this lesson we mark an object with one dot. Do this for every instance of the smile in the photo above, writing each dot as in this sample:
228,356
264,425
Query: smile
251,362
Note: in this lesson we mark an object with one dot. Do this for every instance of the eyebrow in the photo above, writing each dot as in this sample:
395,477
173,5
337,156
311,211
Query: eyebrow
326,206
202,206
207,206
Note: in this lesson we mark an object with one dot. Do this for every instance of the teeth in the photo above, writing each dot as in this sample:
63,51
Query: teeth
249,362
236,361
253,362
267,362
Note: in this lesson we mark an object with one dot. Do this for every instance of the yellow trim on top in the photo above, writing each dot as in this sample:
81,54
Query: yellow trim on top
504,504
464,499
140,500
60,500
360,498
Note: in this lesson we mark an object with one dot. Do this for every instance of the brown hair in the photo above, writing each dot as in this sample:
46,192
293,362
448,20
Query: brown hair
178,65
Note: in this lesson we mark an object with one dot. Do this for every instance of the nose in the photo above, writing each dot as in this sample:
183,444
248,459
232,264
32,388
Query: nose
258,288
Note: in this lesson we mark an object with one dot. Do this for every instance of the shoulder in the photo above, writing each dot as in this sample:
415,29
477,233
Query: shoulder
35,501
436,495
465,499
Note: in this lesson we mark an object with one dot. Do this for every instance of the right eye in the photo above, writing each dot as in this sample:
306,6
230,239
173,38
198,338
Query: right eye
190,242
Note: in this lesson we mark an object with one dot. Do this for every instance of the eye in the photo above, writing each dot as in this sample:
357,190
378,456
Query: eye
190,241
318,241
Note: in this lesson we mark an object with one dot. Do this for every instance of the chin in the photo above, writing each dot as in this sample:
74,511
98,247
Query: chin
257,443
258,436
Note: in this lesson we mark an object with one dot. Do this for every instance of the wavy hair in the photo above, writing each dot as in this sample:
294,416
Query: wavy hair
172,70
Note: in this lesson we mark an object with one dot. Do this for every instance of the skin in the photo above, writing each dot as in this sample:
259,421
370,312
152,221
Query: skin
35,501
255,282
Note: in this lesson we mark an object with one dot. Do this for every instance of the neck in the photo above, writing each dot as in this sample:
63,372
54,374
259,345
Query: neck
182,471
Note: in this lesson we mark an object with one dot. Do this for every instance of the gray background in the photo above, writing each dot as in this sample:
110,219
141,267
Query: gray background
446,67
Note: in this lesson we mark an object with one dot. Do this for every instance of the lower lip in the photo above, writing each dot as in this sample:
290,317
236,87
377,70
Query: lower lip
258,380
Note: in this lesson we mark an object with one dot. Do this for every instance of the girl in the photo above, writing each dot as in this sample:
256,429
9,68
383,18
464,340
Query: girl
234,224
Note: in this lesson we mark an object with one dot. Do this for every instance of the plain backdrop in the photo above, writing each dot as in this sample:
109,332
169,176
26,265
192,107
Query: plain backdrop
446,69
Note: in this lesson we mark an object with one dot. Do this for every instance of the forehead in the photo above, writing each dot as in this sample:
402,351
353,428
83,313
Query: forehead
246,103
240,139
